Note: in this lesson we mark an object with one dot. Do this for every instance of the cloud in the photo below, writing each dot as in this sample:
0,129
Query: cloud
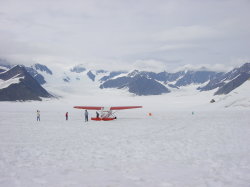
125,33
150,65
169,47
205,67
188,33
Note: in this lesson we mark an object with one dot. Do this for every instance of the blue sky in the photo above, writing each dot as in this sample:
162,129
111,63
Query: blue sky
126,34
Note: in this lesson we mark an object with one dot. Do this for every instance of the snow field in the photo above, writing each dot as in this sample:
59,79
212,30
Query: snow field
170,148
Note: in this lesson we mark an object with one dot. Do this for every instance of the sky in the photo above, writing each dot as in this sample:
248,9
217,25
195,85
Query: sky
126,34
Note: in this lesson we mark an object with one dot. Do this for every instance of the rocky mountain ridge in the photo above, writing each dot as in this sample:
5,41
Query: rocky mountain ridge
147,83
19,85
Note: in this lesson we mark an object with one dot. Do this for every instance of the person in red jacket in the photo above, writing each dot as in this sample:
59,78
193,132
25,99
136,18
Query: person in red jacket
67,115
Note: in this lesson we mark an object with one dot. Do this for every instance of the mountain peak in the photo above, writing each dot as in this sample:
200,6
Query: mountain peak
133,73
26,88
43,68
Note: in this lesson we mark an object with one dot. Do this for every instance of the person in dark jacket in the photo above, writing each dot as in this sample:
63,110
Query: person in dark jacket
86,116
97,114
67,116
38,115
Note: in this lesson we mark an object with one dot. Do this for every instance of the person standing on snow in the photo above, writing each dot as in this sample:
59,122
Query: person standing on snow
67,116
86,116
38,115
97,114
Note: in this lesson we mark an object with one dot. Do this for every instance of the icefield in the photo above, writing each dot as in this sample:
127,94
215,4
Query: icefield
186,142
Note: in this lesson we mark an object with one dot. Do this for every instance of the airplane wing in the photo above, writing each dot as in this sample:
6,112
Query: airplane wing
124,107
89,107
109,108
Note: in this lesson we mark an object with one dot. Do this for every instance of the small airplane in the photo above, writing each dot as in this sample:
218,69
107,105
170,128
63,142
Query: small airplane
106,113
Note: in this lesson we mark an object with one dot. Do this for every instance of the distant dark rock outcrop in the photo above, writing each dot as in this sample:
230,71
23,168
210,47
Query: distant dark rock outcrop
119,82
136,84
26,89
42,68
91,76
212,101
66,79
143,86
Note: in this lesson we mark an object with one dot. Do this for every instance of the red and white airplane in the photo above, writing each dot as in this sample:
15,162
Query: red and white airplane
106,113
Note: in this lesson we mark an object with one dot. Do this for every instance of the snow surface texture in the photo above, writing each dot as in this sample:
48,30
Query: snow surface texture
187,142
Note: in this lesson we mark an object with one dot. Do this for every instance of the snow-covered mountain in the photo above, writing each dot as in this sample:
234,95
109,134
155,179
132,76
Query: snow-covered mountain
165,81
205,80
79,79
17,84
36,70
227,82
